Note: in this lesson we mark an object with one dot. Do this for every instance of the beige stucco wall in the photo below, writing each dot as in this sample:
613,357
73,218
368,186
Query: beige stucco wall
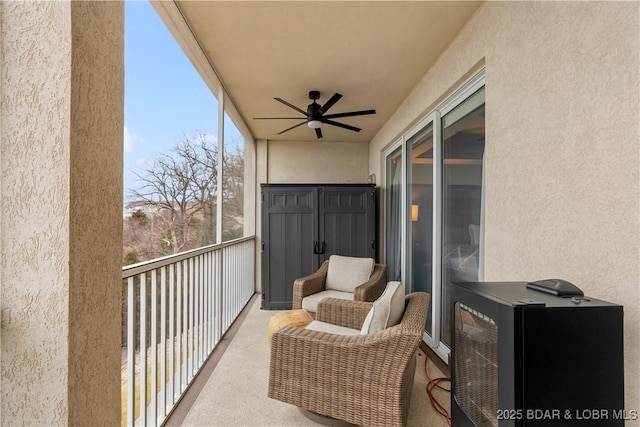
61,224
562,146
316,162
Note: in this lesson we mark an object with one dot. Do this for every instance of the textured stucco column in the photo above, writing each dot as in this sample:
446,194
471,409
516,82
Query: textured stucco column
61,100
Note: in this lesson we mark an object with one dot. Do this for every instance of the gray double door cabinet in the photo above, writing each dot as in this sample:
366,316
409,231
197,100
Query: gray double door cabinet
302,225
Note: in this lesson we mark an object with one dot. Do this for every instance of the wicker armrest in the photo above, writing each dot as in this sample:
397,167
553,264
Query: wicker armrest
308,285
341,312
374,287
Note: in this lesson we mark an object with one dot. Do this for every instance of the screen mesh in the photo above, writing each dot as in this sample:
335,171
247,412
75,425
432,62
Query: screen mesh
476,365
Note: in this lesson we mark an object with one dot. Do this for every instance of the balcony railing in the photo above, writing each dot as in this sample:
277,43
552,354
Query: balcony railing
175,311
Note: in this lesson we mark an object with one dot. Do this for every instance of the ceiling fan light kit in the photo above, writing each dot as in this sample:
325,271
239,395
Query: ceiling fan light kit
315,116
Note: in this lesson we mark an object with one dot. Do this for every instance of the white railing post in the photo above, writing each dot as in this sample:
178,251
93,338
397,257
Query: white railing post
163,343
172,334
131,349
219,286
153,409
201,344
177,370
185,326
209,301
142,353
190,318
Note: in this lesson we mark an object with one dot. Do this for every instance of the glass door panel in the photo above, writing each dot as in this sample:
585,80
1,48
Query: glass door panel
393,236
463,139
420,212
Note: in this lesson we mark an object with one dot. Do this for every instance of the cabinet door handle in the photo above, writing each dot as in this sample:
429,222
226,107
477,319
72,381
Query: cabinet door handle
318,248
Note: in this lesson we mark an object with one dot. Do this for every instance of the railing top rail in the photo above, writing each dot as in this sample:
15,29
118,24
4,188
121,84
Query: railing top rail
141,267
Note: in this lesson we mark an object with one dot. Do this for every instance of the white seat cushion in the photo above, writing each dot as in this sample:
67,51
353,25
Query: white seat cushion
332,329
386,311
310,303
347,273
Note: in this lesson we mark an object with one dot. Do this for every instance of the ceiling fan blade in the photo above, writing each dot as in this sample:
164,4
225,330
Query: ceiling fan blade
341,125
277,118
318,133
335,98
291,106
292,127
350,114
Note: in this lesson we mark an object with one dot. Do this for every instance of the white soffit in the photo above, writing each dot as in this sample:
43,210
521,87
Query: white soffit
373,53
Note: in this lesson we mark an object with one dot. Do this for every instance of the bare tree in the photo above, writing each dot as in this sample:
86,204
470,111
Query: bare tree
202,156
170,184
233,188
182,186
140,237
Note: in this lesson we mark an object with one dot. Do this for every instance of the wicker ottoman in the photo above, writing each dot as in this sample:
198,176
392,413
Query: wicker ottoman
299,318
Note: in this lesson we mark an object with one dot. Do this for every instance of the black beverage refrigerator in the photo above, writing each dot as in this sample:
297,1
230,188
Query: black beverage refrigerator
522,357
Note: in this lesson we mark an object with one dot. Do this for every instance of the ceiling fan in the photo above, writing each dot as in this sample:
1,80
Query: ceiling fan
315,115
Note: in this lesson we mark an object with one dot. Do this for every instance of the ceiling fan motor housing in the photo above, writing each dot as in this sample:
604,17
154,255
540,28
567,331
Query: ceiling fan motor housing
313,111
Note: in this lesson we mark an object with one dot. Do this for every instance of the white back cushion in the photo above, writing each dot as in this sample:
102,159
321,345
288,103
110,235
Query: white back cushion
386,311
396,310
347,273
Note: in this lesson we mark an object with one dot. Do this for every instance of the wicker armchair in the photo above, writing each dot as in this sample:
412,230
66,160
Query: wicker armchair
363,379
315,284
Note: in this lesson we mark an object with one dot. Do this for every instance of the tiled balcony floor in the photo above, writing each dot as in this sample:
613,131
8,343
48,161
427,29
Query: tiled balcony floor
236,392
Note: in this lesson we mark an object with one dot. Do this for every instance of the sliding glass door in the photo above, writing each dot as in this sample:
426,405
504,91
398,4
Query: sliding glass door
434,205
420,177
462,153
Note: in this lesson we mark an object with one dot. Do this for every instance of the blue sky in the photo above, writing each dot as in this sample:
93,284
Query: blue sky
165,98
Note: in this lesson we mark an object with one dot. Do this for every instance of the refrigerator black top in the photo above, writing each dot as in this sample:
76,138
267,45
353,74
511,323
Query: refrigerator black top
517,293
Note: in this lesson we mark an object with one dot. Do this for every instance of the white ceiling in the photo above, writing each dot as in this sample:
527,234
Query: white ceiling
373,53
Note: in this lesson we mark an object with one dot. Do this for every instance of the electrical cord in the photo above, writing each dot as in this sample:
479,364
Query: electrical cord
433,383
